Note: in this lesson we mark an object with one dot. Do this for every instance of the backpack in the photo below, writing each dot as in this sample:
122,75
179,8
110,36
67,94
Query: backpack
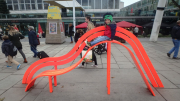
12,50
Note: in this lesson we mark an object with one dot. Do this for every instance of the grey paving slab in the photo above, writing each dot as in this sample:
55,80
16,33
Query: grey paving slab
14,94
9,81
4,75
32,95
113,66
171,75
104,60
2,91
178,86
170,94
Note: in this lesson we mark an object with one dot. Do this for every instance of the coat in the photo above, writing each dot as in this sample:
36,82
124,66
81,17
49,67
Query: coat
175,33
33,40
71,32
5,47
15,39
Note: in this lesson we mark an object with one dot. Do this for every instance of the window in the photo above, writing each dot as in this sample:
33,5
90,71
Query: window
104,4
84,2
9,1
15,1
117,4
21,1
91,4
111,3
27,1
33,6
39,1
21,6
79,1
32,1
16,7
98,4
46,6
28,7
39,6
10,7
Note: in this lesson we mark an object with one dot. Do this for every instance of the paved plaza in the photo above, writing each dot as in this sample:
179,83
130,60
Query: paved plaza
89,83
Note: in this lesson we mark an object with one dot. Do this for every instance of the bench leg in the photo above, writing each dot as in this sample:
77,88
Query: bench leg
50,85
55,81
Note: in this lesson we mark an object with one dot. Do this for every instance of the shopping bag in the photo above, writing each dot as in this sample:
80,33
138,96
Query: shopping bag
88,57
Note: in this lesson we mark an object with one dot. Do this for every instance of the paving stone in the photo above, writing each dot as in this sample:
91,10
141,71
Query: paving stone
113,66
32,95
9,81
14,94
178,86
104,60
4,75
170,94
171,75
2,91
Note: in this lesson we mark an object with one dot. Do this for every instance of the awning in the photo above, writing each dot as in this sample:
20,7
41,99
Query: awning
127,24
83,25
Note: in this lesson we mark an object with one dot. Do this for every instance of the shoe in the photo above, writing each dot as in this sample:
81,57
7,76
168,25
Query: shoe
175,58
18,66
9,67
71,42
87,43
81,66
25,61
94,65
169,55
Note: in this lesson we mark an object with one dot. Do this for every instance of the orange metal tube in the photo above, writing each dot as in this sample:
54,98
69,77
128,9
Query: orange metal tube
50,85
108,66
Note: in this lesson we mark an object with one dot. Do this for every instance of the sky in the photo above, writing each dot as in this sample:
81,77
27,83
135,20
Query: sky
129,2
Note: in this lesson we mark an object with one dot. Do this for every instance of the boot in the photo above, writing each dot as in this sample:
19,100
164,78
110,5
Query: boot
71,41
25,61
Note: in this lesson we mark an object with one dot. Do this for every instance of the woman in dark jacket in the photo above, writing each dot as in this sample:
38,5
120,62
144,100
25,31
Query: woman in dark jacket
14,37
71,32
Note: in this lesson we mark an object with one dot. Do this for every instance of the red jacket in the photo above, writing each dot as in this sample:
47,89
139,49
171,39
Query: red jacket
16,28
107,31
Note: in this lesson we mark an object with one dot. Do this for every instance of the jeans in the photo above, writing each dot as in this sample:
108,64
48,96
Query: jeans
99,39
175,48
34,50
71,39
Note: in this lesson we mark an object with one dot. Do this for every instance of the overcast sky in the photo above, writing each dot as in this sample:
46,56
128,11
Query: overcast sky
129,2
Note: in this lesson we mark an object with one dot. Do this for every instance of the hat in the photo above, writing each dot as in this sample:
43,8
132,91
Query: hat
108,16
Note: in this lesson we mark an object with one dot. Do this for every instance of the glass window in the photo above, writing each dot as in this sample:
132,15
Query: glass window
10,7
27,1
98,4
46,6
16,7
104,4
79,1
21,1
111,3
39,6
91,4
117,4
9,1
22,6
84,2
15,1
33,6
32,1
39,1
28,7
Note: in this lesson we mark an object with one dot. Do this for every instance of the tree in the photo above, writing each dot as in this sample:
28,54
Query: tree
176,3
3,7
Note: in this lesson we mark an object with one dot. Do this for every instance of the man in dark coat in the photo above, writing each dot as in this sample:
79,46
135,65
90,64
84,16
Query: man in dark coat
175,34
71,32
33,40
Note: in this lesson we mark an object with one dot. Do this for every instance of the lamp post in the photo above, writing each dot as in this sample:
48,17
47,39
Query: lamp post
74,16
158,20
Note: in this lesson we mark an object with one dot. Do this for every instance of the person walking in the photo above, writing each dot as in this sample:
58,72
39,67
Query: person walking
175,34
136,30
14,37
9,50
15,27
90,24
33,40
1,32
71,32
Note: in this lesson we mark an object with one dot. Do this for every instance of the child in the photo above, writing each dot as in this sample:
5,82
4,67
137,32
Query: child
9,52
109,32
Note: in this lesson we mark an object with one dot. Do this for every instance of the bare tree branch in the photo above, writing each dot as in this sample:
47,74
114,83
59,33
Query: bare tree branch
176,4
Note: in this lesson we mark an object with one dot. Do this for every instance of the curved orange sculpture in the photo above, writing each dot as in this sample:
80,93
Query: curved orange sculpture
120,32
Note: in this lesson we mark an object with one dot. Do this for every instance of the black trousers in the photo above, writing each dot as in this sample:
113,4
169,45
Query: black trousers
93,58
